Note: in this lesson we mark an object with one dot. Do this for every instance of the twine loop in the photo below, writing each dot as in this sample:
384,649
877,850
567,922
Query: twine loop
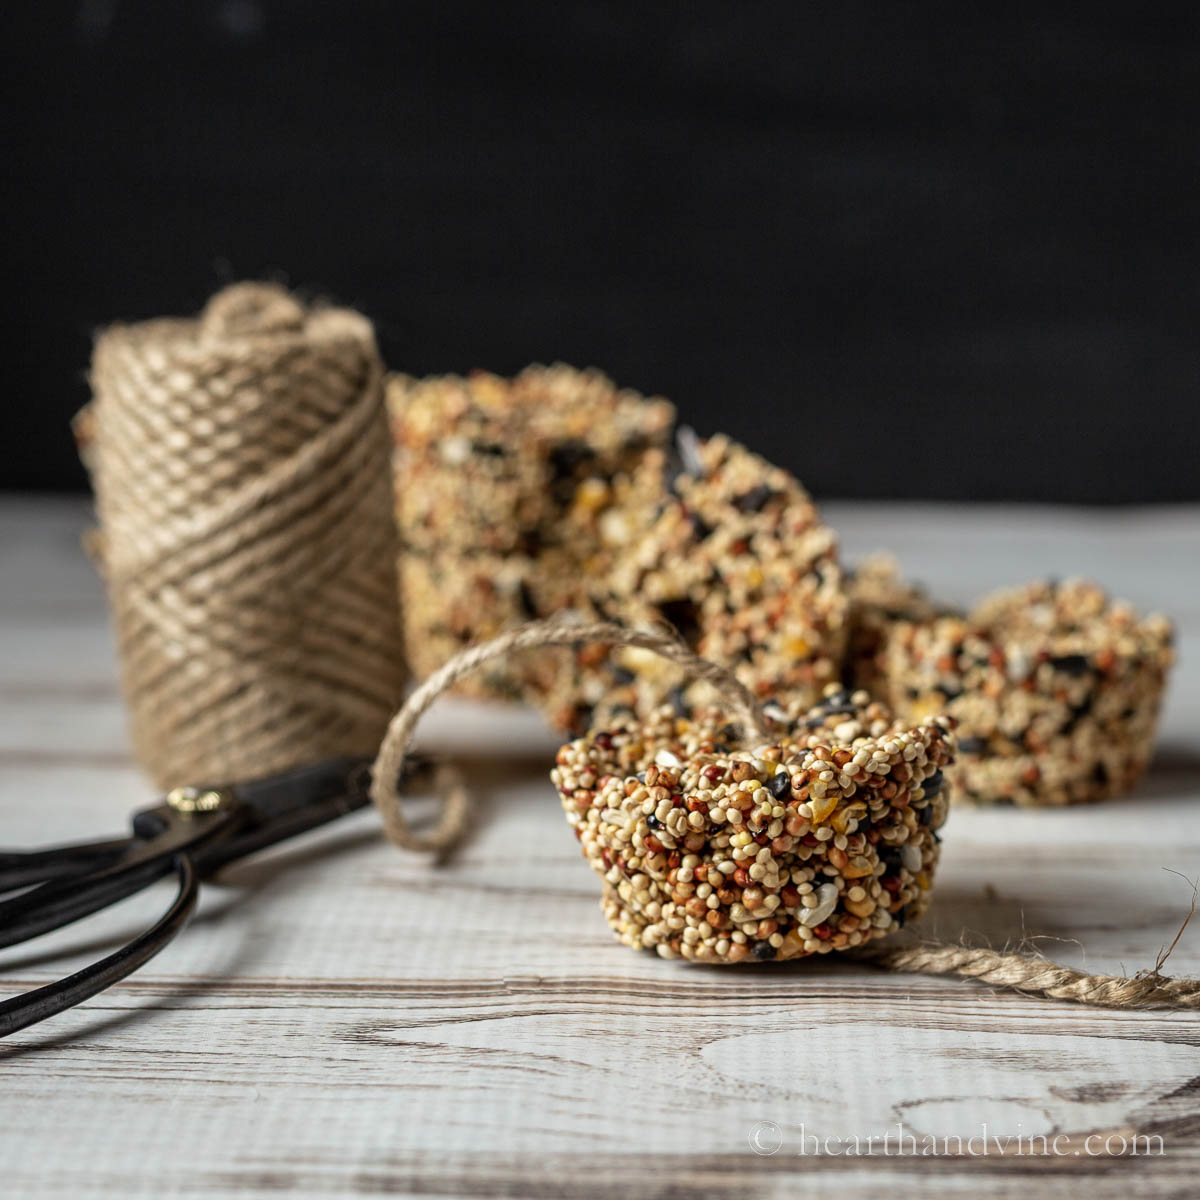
561,630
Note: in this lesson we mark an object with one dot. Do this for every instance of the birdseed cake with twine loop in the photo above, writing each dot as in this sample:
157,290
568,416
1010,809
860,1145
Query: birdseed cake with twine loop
821,842
670,810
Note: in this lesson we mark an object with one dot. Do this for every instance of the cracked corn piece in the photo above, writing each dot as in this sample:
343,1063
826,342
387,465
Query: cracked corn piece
714,853
1056,691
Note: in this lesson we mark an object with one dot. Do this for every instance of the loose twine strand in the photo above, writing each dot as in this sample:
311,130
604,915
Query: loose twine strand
1030,974
1037,976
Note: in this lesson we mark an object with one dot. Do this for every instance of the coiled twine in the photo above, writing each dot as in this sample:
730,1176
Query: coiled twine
241,467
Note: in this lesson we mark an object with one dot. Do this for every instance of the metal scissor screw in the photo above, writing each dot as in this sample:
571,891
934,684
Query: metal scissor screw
196,800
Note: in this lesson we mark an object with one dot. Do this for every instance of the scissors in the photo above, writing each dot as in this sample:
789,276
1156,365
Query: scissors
191,834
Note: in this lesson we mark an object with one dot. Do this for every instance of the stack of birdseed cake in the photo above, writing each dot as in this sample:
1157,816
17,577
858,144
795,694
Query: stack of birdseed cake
519,498
498,487
556,490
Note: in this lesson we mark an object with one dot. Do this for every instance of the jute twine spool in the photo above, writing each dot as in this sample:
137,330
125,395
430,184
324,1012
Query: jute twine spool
242,478
1030,974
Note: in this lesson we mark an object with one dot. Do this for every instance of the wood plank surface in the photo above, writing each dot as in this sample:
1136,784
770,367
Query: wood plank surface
341,1019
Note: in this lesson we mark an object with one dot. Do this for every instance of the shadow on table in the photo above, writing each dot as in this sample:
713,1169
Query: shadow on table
97,1017
1173,775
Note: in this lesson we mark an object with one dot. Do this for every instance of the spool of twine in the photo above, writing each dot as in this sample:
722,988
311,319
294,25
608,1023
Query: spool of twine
241,465
1030,974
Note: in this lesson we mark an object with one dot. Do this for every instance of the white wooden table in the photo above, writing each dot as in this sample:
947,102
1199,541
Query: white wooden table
343,1019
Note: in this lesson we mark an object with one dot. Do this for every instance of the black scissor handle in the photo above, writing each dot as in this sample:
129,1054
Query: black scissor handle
70,895
194,833
23,868
33,1006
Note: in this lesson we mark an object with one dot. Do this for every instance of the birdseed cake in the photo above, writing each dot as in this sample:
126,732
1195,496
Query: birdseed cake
733,555
709,852
1055,688
499,485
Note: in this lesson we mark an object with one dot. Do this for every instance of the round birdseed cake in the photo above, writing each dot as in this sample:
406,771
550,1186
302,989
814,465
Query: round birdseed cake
732,553
714,853
498,486
1055,688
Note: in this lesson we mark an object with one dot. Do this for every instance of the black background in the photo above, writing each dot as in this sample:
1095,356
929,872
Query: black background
905,250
